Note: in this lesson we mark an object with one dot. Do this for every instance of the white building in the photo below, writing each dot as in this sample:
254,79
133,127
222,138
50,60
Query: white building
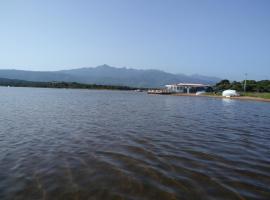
186,87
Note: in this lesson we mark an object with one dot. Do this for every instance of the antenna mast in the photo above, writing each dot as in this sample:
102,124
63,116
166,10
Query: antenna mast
245,82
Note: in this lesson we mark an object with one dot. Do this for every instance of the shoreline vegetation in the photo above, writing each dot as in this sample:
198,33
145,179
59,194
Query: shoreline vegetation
56,84
248,89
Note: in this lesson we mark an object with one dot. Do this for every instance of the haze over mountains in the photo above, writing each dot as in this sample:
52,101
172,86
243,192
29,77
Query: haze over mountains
107,75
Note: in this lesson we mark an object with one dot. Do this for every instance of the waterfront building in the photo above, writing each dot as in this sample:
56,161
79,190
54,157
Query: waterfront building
187,87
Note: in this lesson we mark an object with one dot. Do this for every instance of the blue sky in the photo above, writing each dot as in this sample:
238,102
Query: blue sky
212,37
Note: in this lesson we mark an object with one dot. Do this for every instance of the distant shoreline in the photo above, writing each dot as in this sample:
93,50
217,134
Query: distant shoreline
69,88
61,84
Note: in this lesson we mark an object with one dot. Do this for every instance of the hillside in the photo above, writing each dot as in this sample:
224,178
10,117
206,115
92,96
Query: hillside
107,75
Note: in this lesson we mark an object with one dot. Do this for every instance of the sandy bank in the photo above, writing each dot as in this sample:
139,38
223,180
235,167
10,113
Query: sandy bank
221,97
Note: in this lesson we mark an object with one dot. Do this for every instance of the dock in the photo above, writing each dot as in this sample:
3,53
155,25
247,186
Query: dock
163,91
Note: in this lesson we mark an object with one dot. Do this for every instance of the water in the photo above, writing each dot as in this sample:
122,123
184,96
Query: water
87,144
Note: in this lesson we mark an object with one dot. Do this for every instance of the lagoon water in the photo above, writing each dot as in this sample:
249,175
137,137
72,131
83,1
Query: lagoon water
89,144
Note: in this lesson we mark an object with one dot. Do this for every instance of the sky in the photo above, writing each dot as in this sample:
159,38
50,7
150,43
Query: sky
223,38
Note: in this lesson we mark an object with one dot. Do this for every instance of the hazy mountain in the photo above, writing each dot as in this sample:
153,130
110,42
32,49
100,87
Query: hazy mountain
108,75
34,75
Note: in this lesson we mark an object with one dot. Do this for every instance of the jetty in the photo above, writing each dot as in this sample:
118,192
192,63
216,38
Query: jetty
161,91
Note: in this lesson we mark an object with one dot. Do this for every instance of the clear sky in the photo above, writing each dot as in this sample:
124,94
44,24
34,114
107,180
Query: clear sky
224,38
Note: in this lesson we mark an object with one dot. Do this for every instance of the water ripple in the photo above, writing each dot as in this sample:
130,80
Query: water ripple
81,144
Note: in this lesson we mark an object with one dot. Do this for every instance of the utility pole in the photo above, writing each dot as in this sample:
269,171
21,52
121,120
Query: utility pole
245,82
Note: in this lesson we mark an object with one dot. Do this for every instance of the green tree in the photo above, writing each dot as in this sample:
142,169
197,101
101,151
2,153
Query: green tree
223,85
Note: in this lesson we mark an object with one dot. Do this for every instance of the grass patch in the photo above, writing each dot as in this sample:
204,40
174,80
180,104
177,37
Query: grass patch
265,95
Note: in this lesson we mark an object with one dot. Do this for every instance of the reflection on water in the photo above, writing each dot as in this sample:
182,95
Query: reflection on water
81,144
228,101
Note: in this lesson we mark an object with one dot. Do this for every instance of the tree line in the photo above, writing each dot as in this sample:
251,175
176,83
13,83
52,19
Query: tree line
55,84
251,85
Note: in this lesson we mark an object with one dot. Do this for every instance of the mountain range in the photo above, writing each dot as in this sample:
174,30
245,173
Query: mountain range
108,75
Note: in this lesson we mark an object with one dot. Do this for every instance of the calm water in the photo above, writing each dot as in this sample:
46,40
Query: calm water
86,144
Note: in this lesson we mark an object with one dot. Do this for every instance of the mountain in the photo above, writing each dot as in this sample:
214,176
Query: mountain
107,75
